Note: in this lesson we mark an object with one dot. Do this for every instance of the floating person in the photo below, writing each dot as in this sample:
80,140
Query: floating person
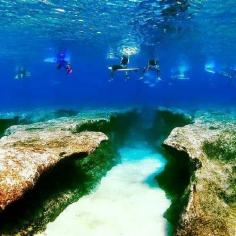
63,62
153,65
210,67
228,73
122,67
21,73
180,73
180,76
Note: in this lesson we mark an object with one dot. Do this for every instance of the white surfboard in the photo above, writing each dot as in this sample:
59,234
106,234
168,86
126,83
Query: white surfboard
180,77
50,60
124,69
54,59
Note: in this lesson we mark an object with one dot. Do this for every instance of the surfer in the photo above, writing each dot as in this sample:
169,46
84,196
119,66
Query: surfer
228,73
63,63
153,65
22,73
123,65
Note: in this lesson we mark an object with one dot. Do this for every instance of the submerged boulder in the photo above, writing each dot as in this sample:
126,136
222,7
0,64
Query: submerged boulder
30,150
211,194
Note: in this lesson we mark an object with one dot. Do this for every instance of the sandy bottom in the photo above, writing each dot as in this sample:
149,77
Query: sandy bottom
126,203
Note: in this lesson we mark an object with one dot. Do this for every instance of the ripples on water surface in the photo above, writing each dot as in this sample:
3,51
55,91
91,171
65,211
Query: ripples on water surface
113,23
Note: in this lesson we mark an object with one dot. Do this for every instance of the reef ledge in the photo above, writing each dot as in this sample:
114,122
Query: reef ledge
27,151
210,143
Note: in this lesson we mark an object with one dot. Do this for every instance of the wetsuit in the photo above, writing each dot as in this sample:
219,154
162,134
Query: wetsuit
62,63
123,65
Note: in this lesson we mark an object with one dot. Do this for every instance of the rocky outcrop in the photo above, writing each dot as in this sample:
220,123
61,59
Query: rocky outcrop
211,194
67,140
72,176
30,150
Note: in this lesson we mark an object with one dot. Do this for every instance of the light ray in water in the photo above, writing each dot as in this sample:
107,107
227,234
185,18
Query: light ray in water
181,72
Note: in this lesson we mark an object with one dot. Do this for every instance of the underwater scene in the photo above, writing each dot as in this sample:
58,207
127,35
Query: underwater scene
118,118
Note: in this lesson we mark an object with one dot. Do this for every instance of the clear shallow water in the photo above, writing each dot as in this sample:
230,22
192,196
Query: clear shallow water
127,201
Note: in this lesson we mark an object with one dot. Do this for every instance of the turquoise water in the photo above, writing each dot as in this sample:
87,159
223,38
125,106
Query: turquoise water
127,201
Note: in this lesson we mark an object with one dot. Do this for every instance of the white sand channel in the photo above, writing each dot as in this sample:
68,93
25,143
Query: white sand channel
127,202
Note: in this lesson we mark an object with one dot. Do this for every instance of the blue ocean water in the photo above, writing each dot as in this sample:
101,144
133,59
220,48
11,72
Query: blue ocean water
194,41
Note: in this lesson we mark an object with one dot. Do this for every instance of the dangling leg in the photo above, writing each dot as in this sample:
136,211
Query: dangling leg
127,75
158,75
111,76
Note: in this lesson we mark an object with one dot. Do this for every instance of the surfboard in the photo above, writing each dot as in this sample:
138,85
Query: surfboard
125,69
179,77
54,59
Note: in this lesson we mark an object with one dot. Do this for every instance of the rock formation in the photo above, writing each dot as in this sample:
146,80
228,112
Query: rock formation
210,144
30,150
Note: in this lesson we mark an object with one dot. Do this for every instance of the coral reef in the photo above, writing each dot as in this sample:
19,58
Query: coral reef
46,166
208,150
26,154
66,144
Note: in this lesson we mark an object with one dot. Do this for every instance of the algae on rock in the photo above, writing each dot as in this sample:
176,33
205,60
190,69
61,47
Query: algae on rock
46,166
211,202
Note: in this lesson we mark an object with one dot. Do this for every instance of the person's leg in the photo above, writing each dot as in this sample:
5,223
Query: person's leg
158,75
127,75
59,65
143,73
111,76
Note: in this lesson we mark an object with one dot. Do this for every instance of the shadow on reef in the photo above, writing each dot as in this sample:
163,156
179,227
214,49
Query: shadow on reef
174,180
164,122
7,122
117,128
176,175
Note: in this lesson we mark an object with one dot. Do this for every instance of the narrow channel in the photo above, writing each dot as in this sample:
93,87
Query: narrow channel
128,200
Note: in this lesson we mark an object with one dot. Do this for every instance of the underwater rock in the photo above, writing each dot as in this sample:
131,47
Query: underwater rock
30,150
54,190
210,145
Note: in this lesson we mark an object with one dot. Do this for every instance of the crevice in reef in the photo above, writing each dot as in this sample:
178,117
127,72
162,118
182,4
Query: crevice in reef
117,128
177,173
174,180
164,121
74,177
69,180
